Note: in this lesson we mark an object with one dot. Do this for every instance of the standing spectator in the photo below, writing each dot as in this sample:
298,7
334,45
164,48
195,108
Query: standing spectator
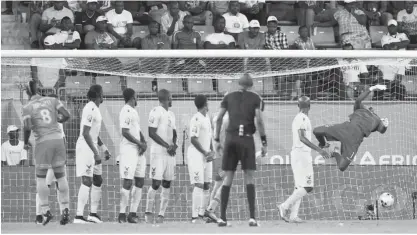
187,38
218,8
172,20
100,38
253,10
120,24
199,11
407,20
86,20
36,10
394,40
275,39
352,25
282,10
12,151
51,18
66,39
252,39
236,22
218,39
304,42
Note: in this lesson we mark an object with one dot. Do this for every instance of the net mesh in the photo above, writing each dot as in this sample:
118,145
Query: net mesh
384,163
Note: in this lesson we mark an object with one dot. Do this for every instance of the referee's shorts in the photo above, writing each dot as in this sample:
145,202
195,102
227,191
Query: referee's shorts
239,148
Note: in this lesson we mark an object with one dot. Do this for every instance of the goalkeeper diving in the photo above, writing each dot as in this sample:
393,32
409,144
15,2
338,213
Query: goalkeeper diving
362,122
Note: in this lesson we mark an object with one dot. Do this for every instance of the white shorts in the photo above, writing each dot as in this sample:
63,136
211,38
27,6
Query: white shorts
200,171
162,167
302,168
84,160
131,164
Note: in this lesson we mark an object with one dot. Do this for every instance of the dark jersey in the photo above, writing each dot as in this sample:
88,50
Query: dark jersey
83,19
366,120
241,106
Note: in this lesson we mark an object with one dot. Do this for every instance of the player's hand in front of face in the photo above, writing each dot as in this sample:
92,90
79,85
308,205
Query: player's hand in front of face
97,158
209,156
107,155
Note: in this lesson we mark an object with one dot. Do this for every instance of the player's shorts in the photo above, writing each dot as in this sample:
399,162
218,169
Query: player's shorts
349,135
239,148
200,171
50,154
84,160
130,163
302,168
162,166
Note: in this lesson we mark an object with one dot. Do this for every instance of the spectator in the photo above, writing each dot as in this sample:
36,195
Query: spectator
275,39
377,12
218,8
12,151
352,25
138,10
67,38
156,9
100,38
282,10
86,20
75,6
105,6
120,24
236,22
172,20
393,7
52,17
187,38
253,10
407,20
394,40
252,39
304,42
155,40
304,11
218,39
199,11
36,10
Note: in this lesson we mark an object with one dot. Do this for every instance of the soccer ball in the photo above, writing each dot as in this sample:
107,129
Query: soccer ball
386,200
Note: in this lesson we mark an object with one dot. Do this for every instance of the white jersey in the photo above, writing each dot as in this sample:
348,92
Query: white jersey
164,122
91,117
200,127
301,122
129,119
225,124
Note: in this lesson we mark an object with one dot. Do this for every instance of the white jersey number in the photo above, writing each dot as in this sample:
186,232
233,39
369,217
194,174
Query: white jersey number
46,116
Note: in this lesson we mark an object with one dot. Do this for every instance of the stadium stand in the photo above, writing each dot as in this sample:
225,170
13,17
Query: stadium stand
200,86
111,85
376,33
171,84
291,32
141,85
324,38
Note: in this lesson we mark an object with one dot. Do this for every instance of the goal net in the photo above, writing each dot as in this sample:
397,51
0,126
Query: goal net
384,163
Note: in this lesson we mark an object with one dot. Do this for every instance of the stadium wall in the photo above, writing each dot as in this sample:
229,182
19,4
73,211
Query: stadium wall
336,196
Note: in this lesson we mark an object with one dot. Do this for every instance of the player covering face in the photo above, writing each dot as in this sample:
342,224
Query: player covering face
301,162
132,161
88,159
200,156
362,122
40,115
162,131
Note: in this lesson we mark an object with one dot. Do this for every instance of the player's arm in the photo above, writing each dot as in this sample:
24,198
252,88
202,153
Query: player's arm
219,122
195,133
89,140
65,114
153,124
27,127
304,140
261,128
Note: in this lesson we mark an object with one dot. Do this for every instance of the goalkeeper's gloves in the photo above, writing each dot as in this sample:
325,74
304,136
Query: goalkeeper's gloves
385,122
378,88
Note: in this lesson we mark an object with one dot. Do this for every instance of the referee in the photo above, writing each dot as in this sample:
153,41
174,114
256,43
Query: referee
243,106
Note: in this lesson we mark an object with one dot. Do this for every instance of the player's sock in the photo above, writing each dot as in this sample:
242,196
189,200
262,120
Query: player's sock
83,195
95,198
294,209
297,194
150,199
215,201
197,200
63,193
43,192
251,194
205,199
224,201
136,198
124,200
38,205
164,200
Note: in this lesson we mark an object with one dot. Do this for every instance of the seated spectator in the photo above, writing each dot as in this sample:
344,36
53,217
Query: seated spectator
253,10
218,39
120,24
187,38
274,38
155,40
394,40
12,151
218,8
377,12
172,20
86,20
236,22
407,20
252,39
100,38
51,18
66,39
156,9
352,25
199,10
304,42
36,9
282,10
138,10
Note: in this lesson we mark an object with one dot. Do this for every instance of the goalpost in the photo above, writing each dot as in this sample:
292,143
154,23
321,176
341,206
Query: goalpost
384,163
